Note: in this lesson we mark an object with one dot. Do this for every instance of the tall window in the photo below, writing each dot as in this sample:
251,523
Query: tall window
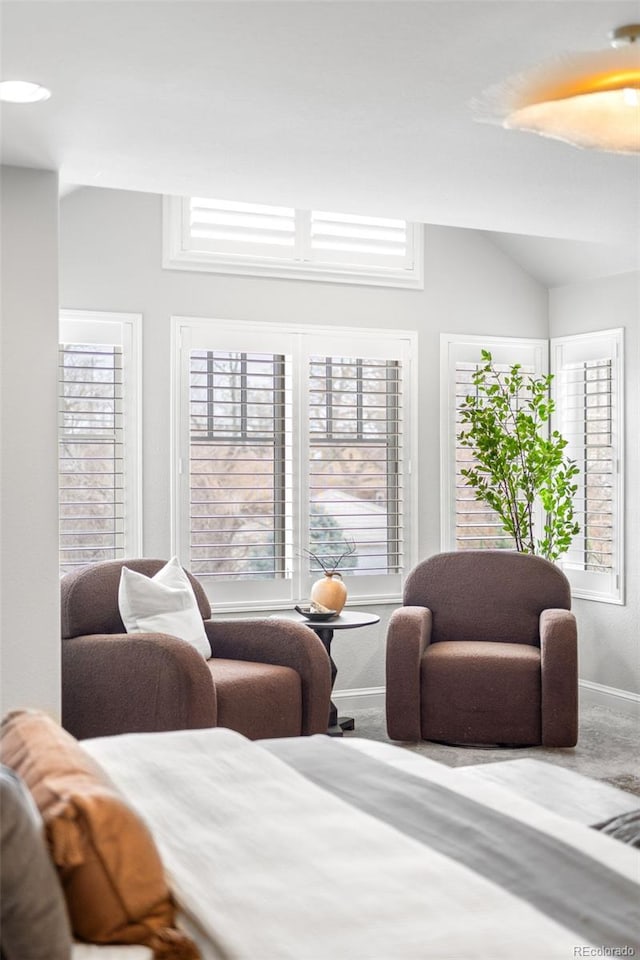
225,236
290,442
467,523
588,391
98,478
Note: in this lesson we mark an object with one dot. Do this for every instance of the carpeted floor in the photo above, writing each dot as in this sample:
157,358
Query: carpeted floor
608,747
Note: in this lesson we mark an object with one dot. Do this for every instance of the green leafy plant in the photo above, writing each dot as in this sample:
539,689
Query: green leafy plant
517,460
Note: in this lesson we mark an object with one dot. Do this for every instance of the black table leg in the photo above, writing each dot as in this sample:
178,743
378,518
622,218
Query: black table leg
336,724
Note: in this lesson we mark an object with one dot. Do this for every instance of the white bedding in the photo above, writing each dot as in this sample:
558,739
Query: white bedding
616,856
267,866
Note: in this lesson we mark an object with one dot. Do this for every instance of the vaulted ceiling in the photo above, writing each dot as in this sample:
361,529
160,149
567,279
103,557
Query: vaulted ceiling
356,106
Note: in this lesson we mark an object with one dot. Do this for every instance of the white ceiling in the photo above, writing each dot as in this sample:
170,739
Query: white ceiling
356,106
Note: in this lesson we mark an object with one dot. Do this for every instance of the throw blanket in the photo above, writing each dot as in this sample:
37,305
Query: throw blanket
267,865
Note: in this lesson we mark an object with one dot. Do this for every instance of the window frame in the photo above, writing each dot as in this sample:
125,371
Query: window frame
585,584
177,254
125,330
196,333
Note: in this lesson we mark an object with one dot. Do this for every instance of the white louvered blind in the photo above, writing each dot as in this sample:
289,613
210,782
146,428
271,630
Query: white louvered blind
467,523
265,240
477,526
371,241
587,425
91,454
241,229
240,464
588,392
355,441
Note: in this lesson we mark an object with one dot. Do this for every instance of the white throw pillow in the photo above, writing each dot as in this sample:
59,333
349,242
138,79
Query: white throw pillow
164,603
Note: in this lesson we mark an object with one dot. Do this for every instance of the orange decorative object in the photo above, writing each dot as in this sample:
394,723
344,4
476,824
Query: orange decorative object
330,591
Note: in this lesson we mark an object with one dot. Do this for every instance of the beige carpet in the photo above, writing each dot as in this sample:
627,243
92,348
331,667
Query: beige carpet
608,747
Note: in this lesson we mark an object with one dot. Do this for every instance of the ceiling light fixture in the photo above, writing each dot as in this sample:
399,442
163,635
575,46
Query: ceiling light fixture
590,100
22,91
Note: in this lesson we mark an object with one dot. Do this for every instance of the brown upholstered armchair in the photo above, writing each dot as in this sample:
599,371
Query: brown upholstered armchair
266,678
484,650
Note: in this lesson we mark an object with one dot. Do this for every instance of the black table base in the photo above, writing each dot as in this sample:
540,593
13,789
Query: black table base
324,630
337,725
342,723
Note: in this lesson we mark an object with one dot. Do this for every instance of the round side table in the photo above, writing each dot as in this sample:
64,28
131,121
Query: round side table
347,620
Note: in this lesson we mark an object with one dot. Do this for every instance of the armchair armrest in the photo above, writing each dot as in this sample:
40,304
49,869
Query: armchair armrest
116,683
559,660
408,636
284,644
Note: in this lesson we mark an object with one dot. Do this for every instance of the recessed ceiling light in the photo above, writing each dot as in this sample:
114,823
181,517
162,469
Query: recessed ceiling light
22,91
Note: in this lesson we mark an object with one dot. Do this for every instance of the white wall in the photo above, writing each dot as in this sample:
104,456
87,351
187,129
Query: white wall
29,606
610,634
111,260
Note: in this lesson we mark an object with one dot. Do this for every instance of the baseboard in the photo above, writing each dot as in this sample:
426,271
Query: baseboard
358,698
597,694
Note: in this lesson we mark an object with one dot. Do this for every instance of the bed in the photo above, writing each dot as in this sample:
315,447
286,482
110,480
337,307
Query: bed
317,848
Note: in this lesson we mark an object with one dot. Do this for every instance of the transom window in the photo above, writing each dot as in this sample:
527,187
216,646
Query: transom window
224,236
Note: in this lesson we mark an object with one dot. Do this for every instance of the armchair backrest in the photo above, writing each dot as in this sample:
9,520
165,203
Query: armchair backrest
487,594
89,602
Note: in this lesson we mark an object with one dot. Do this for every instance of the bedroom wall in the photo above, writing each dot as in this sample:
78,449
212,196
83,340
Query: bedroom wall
609,634
110,259
29,582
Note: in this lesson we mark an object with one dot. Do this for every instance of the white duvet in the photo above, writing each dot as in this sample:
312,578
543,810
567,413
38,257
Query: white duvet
267,866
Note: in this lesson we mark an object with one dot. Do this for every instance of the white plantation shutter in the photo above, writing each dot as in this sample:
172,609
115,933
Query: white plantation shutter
477,526
240,491
467,523
588,395
240,229
91,443
289,440
96,438
355,445
372,241
262,240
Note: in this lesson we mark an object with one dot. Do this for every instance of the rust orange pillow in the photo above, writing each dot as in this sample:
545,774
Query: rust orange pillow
110,869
